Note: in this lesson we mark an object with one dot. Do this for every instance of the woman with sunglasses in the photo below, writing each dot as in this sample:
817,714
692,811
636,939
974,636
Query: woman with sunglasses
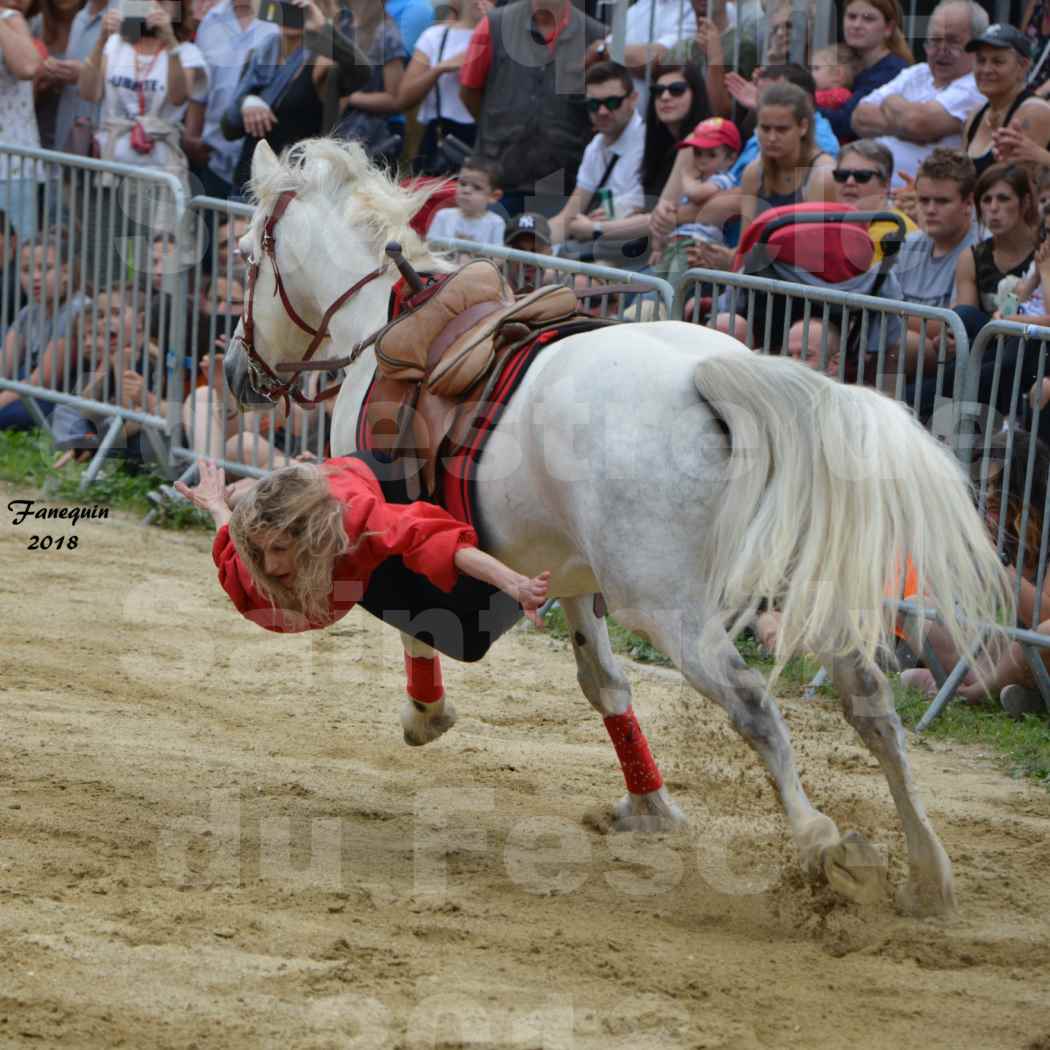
678,101
860,180
1014,124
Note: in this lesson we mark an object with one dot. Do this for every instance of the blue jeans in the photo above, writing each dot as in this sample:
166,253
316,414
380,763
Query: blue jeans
15,416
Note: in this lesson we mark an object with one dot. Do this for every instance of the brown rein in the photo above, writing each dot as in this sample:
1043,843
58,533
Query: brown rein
266,380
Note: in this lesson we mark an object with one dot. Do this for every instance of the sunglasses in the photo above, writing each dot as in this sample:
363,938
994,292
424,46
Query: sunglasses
675,90
612,104
843,175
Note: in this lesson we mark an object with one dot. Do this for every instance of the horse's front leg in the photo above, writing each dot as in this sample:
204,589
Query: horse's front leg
425,714
647,806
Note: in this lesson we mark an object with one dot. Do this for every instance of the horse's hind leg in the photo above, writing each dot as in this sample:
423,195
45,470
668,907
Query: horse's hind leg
711,664
867,701
647,806
425,714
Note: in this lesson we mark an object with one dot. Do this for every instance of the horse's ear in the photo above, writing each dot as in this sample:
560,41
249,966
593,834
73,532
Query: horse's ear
264,161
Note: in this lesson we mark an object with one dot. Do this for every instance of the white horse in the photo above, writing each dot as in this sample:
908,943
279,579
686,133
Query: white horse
682,477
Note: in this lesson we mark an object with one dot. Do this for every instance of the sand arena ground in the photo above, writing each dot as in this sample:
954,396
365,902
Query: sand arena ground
214,837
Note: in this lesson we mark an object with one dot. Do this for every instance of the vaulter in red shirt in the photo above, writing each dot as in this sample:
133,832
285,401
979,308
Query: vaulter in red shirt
301,548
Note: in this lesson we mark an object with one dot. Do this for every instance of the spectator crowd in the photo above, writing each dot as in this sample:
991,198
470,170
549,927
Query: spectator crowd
712,114
652,152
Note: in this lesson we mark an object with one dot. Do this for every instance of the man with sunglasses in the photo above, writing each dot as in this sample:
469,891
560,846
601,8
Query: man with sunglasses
925,105
612,161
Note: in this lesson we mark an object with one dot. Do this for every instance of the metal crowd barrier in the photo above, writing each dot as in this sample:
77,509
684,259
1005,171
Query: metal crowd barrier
985,395
870,327
143,289
206,420
1008,364
653,300
78,274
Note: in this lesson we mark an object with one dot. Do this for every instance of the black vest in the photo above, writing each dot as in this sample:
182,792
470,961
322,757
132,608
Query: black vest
533,115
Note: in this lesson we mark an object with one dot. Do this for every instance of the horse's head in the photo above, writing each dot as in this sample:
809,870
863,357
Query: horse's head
316,263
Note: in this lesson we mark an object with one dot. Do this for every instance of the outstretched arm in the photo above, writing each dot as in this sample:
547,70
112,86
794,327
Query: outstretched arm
529,593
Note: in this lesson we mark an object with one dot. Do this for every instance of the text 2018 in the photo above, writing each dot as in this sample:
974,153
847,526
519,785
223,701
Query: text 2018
46,543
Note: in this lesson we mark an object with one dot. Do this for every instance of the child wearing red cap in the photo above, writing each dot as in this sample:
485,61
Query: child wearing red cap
701,170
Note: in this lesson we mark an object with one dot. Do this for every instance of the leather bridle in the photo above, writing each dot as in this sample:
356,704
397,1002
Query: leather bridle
265,379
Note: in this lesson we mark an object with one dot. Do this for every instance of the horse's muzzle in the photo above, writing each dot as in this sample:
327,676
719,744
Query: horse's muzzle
238,376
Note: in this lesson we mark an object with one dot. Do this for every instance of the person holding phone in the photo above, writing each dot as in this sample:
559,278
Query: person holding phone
136,71
19,63
291,88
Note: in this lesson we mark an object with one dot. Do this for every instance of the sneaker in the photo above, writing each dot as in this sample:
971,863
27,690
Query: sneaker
921,680
1018,701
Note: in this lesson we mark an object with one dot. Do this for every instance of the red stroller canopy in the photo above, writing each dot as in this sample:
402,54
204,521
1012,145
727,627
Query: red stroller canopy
833,251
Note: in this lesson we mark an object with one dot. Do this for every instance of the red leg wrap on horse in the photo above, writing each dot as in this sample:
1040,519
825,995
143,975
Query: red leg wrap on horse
632,749
424,679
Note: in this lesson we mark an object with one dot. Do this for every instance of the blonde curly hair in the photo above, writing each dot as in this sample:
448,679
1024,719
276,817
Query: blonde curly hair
295,500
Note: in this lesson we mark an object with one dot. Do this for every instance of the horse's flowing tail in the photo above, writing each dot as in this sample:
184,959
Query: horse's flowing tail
831,489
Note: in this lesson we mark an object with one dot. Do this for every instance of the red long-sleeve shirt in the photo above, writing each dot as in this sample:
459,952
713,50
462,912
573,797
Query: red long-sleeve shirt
425,536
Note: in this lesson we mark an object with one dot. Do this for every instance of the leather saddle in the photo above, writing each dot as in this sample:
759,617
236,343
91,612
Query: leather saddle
437,361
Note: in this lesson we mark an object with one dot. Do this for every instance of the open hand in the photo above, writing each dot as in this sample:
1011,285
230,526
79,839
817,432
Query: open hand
743,91
209,494
1012,145
709,41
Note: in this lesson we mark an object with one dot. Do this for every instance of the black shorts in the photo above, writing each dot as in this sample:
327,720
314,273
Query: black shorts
462,623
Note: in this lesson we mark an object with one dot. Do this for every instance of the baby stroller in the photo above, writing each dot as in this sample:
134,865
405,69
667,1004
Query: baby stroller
820,246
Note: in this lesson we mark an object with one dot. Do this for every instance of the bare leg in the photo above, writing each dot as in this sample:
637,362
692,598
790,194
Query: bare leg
425,714
255,450
202,417
868,705
647,806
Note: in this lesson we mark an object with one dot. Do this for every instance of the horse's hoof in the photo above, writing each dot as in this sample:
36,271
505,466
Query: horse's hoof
652,812
929,896
926,902
856,869
421,727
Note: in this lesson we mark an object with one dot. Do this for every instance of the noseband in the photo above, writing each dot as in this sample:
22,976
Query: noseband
264,379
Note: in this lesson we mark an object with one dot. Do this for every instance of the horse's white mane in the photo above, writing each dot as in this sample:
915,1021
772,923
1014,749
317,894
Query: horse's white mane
340,174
